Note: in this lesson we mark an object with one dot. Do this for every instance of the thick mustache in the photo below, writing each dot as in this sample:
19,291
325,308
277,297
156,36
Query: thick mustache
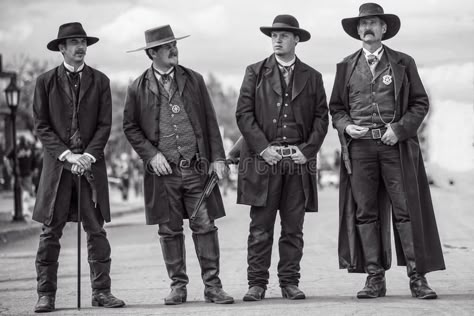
80,51
369,32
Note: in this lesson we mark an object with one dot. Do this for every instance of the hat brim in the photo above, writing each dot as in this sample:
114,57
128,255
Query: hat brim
393,25
158,43
302,34
54,44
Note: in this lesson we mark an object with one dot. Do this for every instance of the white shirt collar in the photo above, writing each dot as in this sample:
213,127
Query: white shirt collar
71,68
378,52
158,73
286,63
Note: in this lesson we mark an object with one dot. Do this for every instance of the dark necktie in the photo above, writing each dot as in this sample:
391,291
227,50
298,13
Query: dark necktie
75,78
166,79
286,72
372,60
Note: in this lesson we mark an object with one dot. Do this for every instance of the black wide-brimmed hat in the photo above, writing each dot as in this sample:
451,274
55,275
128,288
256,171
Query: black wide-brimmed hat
158,36
369,10
289,23
70,30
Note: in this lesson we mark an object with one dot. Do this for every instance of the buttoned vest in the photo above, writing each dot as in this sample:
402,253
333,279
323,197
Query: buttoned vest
75,141
287,129
177,139
369,95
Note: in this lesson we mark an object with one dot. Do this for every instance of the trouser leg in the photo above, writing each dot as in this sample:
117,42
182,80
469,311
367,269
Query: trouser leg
98,247
291,241
47,258
171,233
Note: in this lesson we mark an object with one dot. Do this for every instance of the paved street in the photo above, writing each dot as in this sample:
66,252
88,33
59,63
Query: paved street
139,276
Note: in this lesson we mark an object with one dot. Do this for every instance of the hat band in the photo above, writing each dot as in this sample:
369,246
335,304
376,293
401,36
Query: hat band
283,25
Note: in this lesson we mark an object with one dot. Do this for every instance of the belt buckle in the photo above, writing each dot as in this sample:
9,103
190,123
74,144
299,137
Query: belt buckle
184,163
376,133
287,151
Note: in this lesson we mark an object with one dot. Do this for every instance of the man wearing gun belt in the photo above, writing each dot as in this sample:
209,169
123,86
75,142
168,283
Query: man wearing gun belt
377,104
170,122
283,117
72,111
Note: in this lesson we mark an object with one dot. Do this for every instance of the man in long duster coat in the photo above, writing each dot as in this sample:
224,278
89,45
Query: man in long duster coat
282,105
170,122
422,253
73,120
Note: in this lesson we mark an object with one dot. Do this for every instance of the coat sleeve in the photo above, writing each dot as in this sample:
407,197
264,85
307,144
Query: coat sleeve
104,122
245,114
132,129
417,108
214,138
340,116
320,122
50,140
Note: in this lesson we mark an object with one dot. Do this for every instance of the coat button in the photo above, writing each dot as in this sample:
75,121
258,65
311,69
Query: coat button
278,104
284,137
286,104
284,115
274,120
284,126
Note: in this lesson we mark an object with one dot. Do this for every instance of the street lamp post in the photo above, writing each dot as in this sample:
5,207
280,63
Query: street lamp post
12,94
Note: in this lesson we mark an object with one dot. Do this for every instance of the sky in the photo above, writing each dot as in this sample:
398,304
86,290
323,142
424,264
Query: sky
225,38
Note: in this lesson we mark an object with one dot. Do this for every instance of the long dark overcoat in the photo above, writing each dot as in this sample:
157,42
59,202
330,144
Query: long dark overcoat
53,110
412,102
257,113
141,126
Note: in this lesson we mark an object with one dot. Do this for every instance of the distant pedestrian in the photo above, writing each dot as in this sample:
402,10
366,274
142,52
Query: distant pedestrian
73,113
378,103
25,155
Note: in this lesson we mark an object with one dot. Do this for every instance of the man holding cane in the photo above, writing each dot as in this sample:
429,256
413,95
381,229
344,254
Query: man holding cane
72,112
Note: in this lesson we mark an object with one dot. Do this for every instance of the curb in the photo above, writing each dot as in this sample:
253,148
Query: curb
33,228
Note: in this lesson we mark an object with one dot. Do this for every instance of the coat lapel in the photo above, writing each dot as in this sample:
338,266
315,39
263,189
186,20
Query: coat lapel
180,79
188,104
300,78
273,74
397,68
351,64
152,83
64,81
86,82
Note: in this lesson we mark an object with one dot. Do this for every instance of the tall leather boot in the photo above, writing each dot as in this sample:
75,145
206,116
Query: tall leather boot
174,255
207,251
418,284
370,239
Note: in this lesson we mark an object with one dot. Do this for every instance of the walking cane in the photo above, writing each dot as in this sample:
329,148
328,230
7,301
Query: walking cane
79,242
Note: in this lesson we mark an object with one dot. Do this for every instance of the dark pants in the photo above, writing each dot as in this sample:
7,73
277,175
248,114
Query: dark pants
98,247
285,193
184,188
374,163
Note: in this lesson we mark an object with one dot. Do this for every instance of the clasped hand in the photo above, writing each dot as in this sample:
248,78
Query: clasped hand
80,163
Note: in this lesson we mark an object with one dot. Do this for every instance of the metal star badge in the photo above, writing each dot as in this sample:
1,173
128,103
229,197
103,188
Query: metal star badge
175,108
387,79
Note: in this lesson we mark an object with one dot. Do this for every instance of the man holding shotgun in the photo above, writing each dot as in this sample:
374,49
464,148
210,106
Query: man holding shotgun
170,122
72,112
